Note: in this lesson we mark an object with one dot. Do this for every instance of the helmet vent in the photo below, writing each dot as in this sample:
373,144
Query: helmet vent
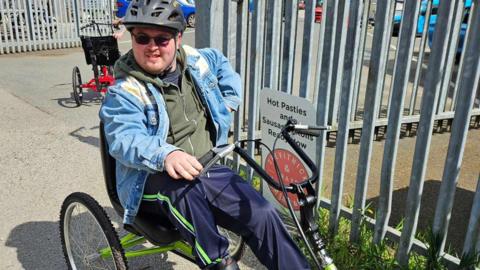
134,10
158,11
174,16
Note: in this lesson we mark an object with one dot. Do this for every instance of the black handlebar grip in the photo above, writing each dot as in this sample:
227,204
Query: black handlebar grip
309,130
205,159
312,132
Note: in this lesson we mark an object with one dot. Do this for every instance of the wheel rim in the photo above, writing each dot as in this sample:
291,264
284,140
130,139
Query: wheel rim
191,20
84,238
235,243
77,86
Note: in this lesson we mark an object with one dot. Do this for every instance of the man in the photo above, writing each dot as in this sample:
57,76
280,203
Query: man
170,105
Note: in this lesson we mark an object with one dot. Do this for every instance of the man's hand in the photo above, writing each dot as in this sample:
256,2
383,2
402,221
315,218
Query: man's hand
119,34
180,165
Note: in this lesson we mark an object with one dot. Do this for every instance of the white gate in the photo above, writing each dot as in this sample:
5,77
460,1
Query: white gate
30,25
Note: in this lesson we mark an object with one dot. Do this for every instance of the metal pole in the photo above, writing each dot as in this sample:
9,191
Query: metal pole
374,84
425,127
472,237
418,70
345,81
322,85
470,74
289,42
256,52
308,39
400,82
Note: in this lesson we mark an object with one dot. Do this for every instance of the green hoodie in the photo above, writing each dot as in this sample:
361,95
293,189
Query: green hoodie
190,129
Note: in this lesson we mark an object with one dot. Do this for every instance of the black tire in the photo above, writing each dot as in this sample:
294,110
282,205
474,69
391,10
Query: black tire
85,229
191,20
96,75
77,86
236,243
110,70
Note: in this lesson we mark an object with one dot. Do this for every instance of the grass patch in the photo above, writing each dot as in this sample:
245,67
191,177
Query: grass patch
367,255
255,181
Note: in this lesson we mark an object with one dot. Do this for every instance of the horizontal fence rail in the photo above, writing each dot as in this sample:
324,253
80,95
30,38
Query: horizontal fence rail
32,25
366,72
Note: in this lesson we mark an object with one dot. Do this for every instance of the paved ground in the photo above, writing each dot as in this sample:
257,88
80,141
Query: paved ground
50,149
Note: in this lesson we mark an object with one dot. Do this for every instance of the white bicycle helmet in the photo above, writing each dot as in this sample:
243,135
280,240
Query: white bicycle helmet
156,13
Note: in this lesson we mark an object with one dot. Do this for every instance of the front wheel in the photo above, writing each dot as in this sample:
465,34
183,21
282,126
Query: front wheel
236,244
191,20
77,86
89,240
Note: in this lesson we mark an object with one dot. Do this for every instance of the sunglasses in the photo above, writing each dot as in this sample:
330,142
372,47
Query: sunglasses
143,39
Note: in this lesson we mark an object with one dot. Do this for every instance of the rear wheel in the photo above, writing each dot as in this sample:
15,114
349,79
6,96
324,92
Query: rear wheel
236,243
110,70
96,75
77,86
89,240
191,20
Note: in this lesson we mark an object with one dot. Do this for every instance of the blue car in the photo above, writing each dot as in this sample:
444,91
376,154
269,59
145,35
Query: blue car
397,18
433,20
121,8
188,8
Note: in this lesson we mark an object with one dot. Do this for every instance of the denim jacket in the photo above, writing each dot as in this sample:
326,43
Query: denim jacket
136,121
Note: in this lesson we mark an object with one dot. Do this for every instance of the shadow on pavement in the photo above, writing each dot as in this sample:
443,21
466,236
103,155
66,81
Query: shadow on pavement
458,220
39,247
90,98
94,141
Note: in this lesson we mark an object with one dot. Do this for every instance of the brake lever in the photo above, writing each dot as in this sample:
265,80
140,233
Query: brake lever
212,156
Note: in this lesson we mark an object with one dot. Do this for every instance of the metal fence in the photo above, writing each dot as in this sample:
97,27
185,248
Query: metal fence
30,25
364,70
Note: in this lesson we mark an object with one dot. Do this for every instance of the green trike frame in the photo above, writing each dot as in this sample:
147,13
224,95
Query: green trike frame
90,241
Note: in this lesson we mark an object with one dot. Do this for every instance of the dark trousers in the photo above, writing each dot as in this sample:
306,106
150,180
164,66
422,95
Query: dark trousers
222,198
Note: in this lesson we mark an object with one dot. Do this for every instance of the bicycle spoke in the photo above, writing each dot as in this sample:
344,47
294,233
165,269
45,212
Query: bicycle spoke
72,236
87,239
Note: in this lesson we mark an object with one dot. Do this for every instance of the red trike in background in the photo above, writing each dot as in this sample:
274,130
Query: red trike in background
101,52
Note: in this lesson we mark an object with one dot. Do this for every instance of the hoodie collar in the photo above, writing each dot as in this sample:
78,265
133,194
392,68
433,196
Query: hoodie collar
127,66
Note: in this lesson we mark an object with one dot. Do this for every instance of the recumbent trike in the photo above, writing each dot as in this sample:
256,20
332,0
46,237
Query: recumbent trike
89,240
101,52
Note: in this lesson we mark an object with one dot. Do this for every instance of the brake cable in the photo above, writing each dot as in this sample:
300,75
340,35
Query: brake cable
288,201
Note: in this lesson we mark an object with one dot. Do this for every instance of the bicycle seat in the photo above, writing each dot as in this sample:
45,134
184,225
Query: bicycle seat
155,228
105,49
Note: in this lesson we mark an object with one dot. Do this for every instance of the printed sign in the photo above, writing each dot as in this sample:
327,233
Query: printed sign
275,110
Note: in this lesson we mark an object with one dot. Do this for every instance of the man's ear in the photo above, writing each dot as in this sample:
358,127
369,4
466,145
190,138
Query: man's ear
179,40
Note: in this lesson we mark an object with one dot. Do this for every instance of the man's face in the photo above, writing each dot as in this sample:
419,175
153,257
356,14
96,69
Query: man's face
159,51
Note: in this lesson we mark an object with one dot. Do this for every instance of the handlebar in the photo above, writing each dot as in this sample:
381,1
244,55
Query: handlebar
307,200
310,130
96,25
212,156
